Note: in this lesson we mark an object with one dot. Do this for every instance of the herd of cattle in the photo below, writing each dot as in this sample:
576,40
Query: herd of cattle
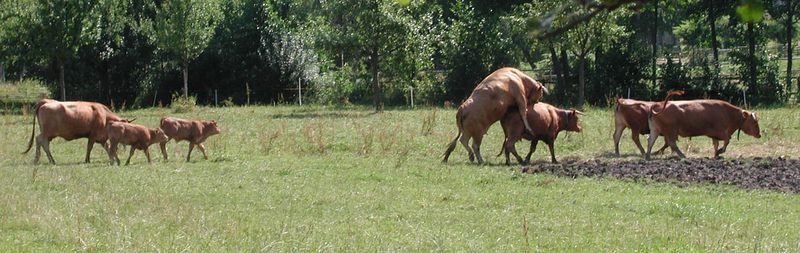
97,123
510,96
507,95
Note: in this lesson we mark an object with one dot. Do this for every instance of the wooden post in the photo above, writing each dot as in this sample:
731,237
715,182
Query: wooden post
300,90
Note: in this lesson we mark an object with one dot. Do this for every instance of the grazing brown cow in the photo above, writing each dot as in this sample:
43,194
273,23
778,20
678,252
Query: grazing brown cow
137,136
505,88
70,120
632,114
194,131
716,119
547,121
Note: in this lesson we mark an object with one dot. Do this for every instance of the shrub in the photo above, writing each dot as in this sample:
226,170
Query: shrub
182,104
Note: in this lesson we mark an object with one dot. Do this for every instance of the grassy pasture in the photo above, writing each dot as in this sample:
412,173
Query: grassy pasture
323,179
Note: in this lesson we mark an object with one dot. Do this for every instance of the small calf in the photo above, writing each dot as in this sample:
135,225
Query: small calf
137,136
194,131
546,120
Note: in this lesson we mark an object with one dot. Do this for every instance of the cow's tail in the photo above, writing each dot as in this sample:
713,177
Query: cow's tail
666,99
33,130
452,145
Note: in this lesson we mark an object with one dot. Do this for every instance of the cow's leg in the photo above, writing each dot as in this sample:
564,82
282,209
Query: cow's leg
112,153
163,146
38,149
147,154
522,108
635,138
203,149
661,150
512,149
465,141
617,135
650,141
130,155
725,143
552,152
716,148
189,155
506,151
534,142
476,147
46,145
89,147
672,143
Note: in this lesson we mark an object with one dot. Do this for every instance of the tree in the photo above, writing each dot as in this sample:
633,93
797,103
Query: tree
183,28
586,37
379,31
58,30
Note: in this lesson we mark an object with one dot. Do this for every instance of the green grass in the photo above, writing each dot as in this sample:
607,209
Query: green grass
318,179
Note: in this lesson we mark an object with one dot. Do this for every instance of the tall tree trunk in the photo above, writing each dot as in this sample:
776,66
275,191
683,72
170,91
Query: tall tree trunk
751,49
655,44
789,46
185,78
556,67
377,90
712,23
565,71
526,52
61,84
581,80
2,73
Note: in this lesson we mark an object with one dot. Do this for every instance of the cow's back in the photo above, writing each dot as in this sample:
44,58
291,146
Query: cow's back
708,117
634,114
178,129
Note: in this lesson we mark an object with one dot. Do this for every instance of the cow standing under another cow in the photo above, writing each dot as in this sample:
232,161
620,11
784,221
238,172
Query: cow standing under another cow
70,120
547,121
137,136
490,100
194,131
632,114
716,119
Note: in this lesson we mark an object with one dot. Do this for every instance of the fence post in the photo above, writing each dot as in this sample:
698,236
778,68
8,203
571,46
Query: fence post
744,96
216,99
412,96
300,90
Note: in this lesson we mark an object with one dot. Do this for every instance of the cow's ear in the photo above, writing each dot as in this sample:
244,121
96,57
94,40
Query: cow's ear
745,114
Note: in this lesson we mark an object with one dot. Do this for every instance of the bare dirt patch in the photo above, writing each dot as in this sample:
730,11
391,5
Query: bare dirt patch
777,174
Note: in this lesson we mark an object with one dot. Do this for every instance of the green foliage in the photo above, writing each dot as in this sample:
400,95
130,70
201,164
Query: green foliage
768,90
181,104
25,91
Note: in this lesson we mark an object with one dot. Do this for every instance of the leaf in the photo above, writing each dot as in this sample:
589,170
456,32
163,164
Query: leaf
750,11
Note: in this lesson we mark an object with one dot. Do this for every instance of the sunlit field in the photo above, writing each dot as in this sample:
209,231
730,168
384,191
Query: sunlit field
291,178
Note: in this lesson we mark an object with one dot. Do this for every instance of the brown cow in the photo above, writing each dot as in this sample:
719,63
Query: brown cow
547,121
70,120
137,136
716,119
194,131
505,88
632,114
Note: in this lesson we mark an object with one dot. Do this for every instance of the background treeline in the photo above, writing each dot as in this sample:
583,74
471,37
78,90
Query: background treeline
145,53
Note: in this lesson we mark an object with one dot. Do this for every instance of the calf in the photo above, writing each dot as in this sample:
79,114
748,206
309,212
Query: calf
70,120
194,131
716,119
547,121
137,136
632,114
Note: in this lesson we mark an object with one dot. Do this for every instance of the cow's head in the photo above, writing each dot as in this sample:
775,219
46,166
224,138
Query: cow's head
536,93
210,127
158,135
750,124
572,121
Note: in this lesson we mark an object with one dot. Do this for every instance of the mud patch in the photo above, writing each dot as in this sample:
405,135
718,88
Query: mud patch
758,173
